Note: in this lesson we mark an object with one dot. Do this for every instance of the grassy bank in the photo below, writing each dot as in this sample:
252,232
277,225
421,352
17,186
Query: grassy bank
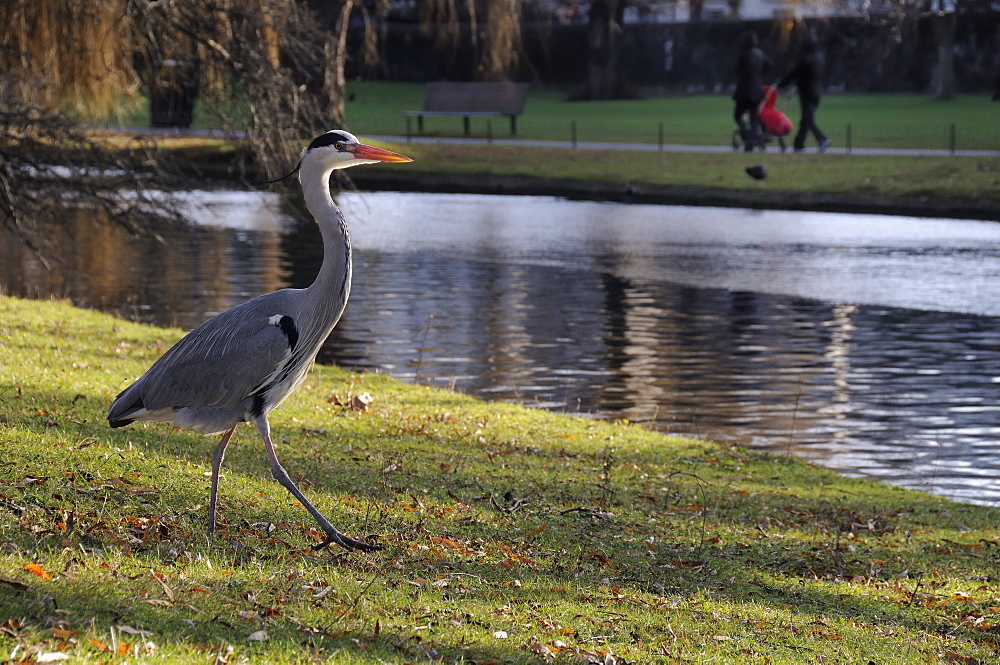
884,175
926,185
511,535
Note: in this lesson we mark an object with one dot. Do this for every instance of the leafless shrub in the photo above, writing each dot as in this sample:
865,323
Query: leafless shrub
48,164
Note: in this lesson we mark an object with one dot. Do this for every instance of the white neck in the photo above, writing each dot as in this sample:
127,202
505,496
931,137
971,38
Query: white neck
328,293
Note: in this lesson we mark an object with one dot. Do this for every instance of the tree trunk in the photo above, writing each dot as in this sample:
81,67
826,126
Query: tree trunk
695,9
603,42
944,28
335,49
502,41
334,17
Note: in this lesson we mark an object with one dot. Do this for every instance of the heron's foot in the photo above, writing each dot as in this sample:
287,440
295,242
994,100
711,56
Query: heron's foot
345,541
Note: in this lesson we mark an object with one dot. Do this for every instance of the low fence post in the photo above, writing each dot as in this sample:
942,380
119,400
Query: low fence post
847,139
659,137
572,133
952,138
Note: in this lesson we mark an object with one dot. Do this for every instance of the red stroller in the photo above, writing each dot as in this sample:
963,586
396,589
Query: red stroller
774,123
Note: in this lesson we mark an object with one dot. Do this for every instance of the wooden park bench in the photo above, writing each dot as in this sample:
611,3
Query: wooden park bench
471,99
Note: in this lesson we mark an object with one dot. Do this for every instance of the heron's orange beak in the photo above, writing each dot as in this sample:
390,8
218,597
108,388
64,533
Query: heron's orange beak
362,151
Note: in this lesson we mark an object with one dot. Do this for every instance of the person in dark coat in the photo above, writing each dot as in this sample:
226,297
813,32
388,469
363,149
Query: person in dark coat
806,76
750,66
996,81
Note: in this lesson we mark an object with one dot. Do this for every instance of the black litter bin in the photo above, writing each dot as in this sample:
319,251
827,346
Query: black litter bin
173,88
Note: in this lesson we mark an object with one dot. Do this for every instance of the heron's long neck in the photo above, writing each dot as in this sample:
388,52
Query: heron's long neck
328,293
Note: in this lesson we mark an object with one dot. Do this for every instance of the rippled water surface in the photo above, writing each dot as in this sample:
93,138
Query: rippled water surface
864,343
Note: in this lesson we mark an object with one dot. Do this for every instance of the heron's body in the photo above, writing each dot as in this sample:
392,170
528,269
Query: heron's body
257,354
239,365
258,357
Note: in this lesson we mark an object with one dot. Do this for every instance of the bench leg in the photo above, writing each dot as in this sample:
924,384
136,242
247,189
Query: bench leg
513,125
420,124
465,124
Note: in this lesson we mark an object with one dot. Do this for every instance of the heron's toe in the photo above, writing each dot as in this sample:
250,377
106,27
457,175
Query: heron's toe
347,543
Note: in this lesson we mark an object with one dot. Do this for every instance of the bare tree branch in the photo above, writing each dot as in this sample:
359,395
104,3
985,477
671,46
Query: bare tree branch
48,164
258,64
262,56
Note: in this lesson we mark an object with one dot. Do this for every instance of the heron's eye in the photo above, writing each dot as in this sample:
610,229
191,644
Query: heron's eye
339,145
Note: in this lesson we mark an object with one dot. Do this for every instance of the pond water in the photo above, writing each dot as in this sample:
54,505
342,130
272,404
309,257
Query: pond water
864,343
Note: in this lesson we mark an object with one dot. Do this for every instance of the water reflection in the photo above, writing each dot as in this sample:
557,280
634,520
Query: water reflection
178,278
866,344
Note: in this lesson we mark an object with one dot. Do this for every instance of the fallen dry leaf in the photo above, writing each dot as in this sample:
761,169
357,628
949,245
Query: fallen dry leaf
356,403
258,636
38,570
63,633
954,657
159,602
361,402
97,644
539,529
541,649
133,631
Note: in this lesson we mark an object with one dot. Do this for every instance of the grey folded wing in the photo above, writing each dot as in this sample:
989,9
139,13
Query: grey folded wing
219,364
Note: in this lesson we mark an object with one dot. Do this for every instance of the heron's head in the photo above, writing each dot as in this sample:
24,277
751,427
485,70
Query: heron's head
338,149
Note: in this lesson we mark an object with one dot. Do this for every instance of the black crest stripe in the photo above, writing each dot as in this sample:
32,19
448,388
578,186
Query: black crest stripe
328,139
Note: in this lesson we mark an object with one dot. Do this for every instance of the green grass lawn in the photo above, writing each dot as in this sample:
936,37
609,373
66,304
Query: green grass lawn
859,120
512,535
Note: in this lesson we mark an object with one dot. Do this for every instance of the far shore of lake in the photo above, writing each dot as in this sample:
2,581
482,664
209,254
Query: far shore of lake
758,199
960,187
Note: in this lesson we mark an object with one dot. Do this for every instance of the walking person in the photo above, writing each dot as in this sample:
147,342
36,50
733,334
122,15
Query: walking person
750,66
806,76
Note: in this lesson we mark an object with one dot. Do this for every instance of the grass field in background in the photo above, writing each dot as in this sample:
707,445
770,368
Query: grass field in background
871,120
859,120
512,535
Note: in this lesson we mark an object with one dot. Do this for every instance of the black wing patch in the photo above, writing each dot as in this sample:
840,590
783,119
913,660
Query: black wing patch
287,326
257,406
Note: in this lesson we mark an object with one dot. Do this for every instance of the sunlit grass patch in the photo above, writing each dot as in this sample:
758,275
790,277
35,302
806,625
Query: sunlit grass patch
511,535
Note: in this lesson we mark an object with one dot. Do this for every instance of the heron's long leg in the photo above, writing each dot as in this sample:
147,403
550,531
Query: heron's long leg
217,456
279,473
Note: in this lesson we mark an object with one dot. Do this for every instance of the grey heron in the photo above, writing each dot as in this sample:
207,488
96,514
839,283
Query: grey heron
239,365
